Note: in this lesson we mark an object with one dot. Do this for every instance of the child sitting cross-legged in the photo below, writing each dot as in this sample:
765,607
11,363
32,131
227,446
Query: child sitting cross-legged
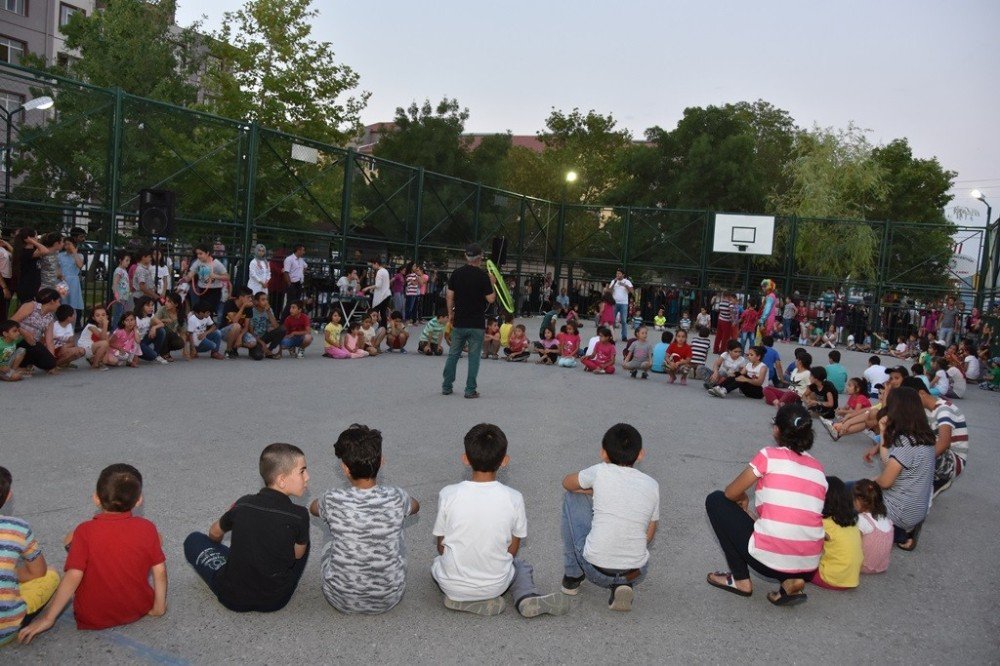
610,514
600,358
111,558
840,564
364,565
569,343
261,568
479,527
517,345
26,581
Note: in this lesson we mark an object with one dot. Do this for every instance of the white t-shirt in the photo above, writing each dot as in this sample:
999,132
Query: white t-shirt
626,501
901,347
972,367
943,383
958,384
619,290
86,341
6,270
197,327
477,521
61,334
753,371
800,381
730,366
142,325
592,343
381,291
876,374
295,267
882,524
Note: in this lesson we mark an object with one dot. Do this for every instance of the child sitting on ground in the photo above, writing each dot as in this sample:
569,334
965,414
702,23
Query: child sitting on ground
874,525
332,335
517,346
548,347
11,356
364,565
601,358
659,359
123,345
660,320
111,558
678,360
798,383
396,334
479,527
700,345
685,323
491,339
569,344
857,397
368,336
639,355
261,568
64,336
430,337
821,396
94,338
26,581
610,513
506,328
840,564
351,342
202,331
298,335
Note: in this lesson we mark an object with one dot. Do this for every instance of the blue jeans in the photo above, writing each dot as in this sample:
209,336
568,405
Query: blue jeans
208,557
622,310
747,340
411,307
577,517
786,328
151,348
117,311
946,335
211,343
459,338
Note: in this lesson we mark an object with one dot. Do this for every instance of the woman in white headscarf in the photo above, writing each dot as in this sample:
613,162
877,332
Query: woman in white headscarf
260,271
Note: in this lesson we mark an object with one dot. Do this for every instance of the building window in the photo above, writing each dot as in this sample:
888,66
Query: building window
10,100
16,6
65,61
11,50
66,13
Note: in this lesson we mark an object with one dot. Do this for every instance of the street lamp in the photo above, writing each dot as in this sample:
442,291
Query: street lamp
40,103
984,264
571,176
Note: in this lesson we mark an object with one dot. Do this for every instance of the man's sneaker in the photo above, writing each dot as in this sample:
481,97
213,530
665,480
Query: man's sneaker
161,360
938,489
446,391
402,351
493,606
621,598
717,391
300,353
571,585
633,374
551,604
828,424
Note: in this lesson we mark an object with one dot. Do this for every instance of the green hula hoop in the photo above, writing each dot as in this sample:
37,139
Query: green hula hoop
503,294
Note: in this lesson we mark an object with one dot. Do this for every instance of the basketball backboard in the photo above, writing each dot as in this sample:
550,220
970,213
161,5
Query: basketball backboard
743,234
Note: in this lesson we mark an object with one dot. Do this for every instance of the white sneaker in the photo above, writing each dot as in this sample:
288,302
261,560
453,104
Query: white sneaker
300,353
161,360
621,598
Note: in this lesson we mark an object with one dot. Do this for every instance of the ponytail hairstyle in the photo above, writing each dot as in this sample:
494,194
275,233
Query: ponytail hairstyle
862,385
839,505
868,495
795,431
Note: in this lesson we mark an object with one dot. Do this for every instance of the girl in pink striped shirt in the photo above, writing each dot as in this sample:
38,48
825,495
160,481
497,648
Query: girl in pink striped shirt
785,541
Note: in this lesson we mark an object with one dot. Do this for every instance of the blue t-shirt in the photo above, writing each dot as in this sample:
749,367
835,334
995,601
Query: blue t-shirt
837,375
659,357
770,358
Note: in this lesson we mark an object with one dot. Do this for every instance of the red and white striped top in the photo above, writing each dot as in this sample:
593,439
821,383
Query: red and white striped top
789,496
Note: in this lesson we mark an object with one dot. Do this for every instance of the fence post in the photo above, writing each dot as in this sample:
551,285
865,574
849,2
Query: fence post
703,265
248,207
560,228
790,258
883,265
984,268
520,249
114,184
627,241
475,213
418,211
345,208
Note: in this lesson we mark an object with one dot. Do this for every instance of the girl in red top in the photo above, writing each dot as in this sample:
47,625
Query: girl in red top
748,327
606,314
601,360
857,392
569,343
517,345
678,360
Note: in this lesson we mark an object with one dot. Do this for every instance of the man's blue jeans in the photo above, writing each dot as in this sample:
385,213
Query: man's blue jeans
578,514
459,338
621,310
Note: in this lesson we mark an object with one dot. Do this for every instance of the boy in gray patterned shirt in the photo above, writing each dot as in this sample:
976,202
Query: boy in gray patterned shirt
364,565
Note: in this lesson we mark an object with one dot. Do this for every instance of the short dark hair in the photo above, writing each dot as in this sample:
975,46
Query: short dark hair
8,325
276,459
297,304
834,356
733,344
257,296
360,449
295,248
819,373
806,359
5,481
203,247
839,503
667,337
901,371
622,443
144,252
63,311
202,306
916,384
119,487
703,331
485,447
767,341
243,291
874,360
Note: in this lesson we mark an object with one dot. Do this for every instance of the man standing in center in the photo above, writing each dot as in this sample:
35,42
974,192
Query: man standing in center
470,290
380,290
620,288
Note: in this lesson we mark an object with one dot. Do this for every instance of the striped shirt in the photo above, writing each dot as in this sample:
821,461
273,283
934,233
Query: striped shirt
909,497
791,488
16,543
725,310
412,284
946,414
699,350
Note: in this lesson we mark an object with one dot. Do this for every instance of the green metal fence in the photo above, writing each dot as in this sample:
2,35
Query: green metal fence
239,184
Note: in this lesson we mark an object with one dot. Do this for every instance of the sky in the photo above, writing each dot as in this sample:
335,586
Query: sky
924,70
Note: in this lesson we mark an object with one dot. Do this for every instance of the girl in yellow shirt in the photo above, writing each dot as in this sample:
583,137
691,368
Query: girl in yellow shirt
840,565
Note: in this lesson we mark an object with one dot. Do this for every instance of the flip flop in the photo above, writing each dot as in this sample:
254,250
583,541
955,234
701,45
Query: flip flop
785,599
914,535
730,585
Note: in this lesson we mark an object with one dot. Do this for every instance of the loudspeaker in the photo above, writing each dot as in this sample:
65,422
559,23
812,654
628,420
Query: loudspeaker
156,212
500,250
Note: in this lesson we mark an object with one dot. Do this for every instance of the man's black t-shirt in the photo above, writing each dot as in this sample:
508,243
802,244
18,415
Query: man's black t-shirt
471,286
231,307
265,528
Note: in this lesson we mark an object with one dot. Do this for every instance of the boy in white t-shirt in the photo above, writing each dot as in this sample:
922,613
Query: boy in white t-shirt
610,514
479,527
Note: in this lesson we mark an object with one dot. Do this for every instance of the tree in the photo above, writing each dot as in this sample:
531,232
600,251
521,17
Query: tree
270,70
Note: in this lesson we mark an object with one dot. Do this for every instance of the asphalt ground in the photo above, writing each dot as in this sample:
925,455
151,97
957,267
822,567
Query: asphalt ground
195,430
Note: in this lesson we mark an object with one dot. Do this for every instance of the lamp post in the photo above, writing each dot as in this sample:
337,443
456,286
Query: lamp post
984,263
569,179
40,103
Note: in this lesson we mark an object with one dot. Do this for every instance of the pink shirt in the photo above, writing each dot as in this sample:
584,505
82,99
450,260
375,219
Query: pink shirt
124,340
876,542
791,487
604,353
568,343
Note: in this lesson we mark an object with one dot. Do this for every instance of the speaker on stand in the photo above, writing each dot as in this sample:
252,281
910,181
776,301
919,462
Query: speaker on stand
499,250
156,219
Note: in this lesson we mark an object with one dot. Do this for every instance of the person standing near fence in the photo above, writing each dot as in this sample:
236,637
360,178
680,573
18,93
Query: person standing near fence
620,288
293,272
470,290
949,315
380,290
